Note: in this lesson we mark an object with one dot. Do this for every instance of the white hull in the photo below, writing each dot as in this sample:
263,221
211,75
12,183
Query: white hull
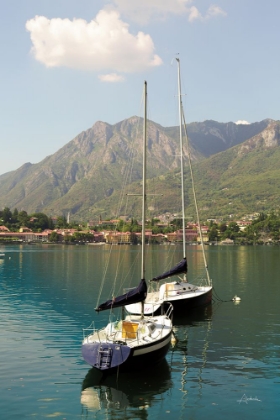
130,343
181,295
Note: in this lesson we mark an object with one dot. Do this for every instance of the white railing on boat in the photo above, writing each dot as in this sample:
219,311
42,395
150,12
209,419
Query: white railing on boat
169,311
89,330
131,329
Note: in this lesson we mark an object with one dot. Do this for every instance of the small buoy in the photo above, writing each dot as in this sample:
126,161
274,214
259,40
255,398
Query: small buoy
236,299
173,340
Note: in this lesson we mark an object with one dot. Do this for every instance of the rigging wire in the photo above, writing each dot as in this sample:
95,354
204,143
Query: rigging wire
209,281
122,204
217,298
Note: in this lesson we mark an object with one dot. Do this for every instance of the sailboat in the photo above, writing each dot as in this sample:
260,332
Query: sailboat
135,341
182,294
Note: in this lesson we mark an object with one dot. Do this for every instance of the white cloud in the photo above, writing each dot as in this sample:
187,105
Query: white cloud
144,10
215,10
102,44
212,12
239,122
194,14
113,77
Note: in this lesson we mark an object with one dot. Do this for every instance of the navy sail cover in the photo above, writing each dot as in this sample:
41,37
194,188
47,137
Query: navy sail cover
138,294
181,267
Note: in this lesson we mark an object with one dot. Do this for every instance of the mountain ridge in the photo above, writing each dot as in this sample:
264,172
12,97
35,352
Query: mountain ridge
91,167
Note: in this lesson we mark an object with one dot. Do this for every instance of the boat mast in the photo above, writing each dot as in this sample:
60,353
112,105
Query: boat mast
209,281
181,158
144,196
182,121
143,268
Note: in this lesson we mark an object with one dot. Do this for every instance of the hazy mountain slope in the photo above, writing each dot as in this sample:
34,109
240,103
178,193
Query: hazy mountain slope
211,137
88,168
244,179
85,176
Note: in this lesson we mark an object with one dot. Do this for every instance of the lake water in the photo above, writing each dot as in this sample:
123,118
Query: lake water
226,363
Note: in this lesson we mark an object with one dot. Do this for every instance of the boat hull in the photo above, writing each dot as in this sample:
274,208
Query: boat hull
184,305
182,302
104,356
123,357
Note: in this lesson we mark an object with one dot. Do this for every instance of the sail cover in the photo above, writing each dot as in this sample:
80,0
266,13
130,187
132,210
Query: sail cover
138,294
181,267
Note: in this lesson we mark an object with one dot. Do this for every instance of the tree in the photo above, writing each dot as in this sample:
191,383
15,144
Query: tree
54,237
51,225
252,233
167,229
23,218
15,216
38,221
155,230
83,237
177,223
6,215
134,226
233,227
222,227
120,226
213,233
69,238
61,222
261,217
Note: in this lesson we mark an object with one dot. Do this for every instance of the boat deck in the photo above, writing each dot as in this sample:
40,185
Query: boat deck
133,331
152,297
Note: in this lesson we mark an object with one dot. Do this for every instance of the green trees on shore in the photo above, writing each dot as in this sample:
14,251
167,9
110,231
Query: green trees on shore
266,228
15,220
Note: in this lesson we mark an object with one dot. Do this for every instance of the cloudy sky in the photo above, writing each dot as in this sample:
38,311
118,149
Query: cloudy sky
66,64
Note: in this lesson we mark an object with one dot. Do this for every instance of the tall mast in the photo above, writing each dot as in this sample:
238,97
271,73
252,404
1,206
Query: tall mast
144,182
181,158
182,121
143,267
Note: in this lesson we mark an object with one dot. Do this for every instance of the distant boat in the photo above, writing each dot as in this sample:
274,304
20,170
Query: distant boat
182,294
134,342
2,255
227,241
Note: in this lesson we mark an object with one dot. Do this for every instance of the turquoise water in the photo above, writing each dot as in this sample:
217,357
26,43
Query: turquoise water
226,363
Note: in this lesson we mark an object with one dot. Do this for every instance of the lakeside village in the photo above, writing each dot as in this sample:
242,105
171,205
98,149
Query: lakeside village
19,227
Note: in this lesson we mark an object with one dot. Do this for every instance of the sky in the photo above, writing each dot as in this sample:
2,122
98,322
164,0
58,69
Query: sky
66,64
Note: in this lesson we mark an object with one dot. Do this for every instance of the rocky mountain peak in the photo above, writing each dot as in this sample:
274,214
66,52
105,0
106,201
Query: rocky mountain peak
268,138
91,167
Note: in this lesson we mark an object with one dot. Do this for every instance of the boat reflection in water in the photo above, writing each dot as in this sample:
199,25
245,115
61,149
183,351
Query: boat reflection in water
193,328
189,355
135,389
198,315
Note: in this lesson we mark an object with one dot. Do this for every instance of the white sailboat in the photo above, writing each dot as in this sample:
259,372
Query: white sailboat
136,341
183,295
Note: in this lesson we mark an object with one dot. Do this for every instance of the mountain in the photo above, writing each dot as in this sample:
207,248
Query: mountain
90,167
85,176
243,179
211,137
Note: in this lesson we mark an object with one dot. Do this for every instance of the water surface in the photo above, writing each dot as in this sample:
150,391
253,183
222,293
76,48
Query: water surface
226,363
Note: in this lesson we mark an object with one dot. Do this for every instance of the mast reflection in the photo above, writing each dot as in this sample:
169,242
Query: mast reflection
136,389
